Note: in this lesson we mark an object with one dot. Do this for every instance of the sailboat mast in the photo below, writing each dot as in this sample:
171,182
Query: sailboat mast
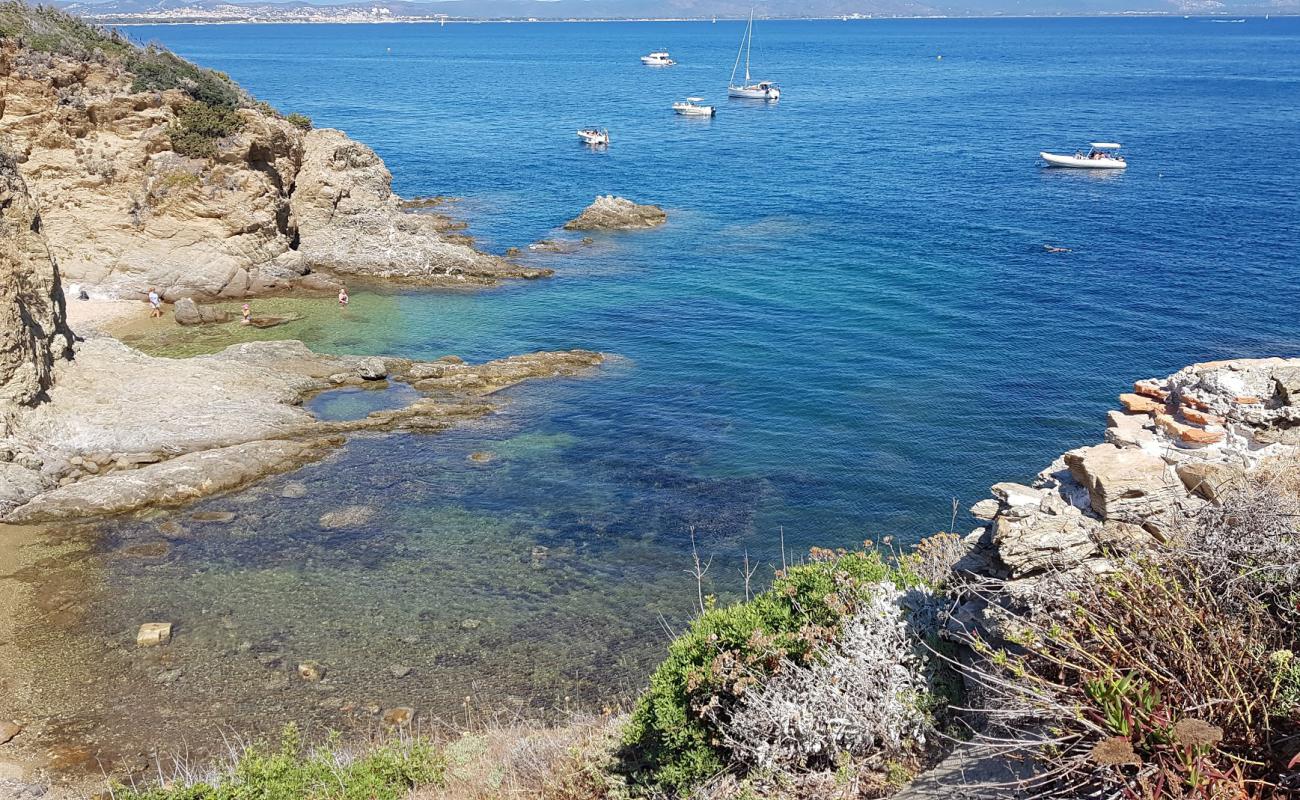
736,65
749,41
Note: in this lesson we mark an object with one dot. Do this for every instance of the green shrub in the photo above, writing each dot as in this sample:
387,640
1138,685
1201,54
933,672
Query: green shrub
49,30
301,121
673,741
387,772
156,69
199,126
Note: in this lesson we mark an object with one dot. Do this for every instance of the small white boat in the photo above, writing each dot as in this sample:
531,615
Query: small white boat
658,59
594,136
690,107
1100,155
748,90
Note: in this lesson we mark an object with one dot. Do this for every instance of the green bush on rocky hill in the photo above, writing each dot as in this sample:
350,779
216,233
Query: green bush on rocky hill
698,718
48,30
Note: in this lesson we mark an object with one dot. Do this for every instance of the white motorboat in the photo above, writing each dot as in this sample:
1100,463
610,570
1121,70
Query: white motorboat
594,136
658,59
690,107
750,90
1100,155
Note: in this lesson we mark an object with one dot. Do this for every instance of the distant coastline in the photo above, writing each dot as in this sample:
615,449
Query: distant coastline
126,21
139,22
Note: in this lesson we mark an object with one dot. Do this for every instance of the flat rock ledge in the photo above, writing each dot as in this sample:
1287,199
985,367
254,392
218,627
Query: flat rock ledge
610,213
123,431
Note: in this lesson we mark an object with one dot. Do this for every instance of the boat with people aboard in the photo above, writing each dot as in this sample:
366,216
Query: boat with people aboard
594,136
659,58
749,89
1100,155
691,107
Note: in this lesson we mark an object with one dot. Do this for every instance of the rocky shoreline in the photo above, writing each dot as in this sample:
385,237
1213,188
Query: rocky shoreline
275,206
108,441
1176,445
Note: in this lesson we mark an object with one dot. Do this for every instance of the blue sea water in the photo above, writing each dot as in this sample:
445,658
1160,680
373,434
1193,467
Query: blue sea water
849,320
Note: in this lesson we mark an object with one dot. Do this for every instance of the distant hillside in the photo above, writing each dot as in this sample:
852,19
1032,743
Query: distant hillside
396,10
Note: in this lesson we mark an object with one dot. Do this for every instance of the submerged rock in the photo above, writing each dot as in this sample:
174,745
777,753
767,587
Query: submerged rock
610,213
213,516
558,245
348,517
311,671
153,634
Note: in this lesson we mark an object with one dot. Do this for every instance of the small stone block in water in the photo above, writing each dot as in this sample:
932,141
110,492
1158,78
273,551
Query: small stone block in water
152,634
311,671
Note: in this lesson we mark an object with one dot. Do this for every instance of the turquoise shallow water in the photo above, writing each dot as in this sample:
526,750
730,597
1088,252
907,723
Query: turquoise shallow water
849,320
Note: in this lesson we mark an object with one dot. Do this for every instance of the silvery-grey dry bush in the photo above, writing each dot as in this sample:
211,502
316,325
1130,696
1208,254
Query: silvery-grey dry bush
1170,676
859,699
1248,545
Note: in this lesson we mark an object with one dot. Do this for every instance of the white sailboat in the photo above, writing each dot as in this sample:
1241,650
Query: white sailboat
750,90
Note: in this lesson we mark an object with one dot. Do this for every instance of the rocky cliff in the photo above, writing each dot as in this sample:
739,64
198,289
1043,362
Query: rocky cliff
33,333
1178,443
104,134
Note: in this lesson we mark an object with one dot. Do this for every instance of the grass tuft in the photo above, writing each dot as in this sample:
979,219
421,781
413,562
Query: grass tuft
292,772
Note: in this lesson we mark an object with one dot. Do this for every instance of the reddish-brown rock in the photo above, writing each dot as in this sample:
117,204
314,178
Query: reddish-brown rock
1198,417
1140,404
1149,389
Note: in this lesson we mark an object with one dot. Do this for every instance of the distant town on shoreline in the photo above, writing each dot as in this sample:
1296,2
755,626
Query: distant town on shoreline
143,12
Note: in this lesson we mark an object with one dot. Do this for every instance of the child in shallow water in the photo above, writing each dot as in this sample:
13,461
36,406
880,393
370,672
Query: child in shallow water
248,315
343,297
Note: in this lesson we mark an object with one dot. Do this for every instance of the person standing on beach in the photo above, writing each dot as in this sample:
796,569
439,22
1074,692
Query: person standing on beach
343,297
155,303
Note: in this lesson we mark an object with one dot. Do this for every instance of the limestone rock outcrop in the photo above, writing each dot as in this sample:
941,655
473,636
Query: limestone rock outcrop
33,329
1180,442
124,211
187,312
350,222
610,213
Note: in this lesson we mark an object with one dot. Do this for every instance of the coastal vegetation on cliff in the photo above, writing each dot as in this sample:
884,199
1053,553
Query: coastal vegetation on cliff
722,700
